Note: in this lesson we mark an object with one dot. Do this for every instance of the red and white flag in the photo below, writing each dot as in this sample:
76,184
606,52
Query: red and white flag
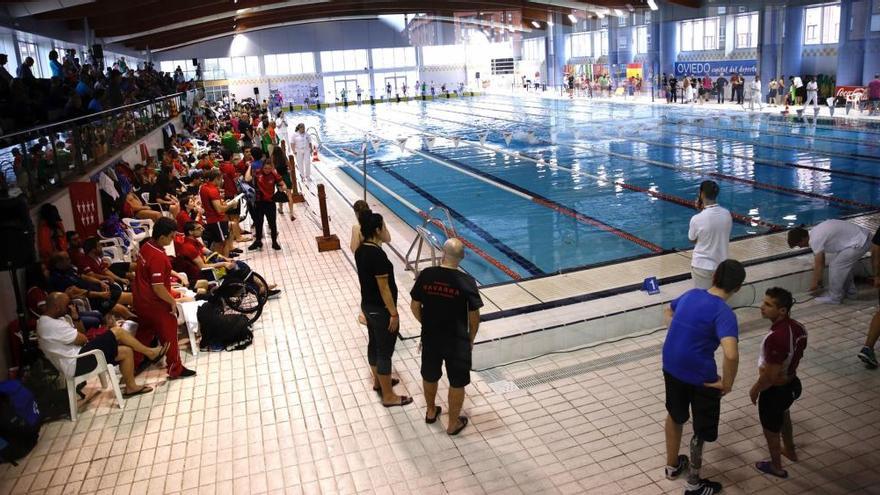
84,202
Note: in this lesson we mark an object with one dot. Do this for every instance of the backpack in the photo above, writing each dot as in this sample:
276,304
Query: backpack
19,421
223,331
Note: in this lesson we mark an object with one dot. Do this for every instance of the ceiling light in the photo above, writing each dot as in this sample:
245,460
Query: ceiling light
652,4
535,23
572,18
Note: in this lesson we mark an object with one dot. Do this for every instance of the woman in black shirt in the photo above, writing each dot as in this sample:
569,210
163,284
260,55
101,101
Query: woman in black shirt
379,304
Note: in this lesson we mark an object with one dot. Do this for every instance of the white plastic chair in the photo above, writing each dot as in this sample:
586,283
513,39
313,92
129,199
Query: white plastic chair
140,223
104,372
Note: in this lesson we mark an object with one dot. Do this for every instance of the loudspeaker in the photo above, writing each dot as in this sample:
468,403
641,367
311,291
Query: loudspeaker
195,62
17,231
256,91
98,51
477,76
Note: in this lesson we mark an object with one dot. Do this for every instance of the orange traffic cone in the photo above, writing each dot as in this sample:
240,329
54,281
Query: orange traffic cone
315,156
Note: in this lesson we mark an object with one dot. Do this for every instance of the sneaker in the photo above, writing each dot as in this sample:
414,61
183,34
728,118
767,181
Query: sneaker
705,487
852,293
186,373
674,472
867,356
276,246
255,246
826,300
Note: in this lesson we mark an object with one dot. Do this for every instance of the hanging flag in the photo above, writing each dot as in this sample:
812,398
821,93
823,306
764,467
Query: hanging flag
429,142
554,136
508,137
84,200
815,111
455,140
363,148
531,135
401,143
483,136
375,141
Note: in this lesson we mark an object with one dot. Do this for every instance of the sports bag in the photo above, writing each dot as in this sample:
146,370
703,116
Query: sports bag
19,421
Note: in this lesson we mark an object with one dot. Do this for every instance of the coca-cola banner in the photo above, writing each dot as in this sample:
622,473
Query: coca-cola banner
847,91
84,202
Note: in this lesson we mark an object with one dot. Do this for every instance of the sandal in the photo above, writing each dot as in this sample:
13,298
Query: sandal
433,420
394,382
766,467
143,390
161,354
463,422
404,400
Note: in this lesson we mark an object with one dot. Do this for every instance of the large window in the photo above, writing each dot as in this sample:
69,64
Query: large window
289,63
391,58
603,41
533,49
822,24
699,34
26,50
443,55
640,39
343,60
580,45
227,67
746,26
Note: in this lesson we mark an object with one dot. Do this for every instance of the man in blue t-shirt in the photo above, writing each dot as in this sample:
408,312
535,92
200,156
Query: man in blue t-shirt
701,320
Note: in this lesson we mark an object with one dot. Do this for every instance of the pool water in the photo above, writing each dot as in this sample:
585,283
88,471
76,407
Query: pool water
585,183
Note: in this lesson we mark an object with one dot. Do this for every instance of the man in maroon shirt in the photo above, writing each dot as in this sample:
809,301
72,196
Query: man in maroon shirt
154,300
266,179
778,386
874,94
216,224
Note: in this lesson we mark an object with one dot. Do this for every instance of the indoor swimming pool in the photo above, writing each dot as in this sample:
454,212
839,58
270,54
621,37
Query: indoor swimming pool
538,186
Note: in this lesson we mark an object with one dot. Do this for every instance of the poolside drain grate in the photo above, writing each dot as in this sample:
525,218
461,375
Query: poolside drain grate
581,368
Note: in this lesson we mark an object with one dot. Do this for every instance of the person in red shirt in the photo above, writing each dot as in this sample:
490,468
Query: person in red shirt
874,95
230,175
266,180
217,226
90,262
205,162
154,303
778,386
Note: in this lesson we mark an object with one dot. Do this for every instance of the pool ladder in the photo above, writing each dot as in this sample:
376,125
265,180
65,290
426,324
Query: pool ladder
426,242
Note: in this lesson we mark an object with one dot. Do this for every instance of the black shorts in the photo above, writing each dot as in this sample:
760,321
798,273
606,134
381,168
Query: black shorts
106,343
773,402
456,355
682,398
216,233
104,306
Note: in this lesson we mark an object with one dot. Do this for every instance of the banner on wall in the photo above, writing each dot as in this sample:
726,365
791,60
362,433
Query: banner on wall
717,68
84,203
846,92
634,70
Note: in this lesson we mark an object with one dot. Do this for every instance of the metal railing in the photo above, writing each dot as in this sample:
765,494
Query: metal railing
52,155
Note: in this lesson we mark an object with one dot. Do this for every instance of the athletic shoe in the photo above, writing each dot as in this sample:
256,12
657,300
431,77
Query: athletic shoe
186,373
255,246
852,293
705,487
826,300
674,472
867,356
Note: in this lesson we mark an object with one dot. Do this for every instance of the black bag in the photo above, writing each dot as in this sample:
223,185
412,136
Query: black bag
279,197
19,421
223,331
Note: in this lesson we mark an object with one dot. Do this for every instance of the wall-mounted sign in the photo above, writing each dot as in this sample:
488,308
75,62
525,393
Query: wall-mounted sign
717,68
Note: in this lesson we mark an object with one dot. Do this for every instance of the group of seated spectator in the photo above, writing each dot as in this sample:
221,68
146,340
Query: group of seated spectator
186,194
75,89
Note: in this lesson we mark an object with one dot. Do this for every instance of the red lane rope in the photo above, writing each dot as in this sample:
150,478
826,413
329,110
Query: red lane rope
486,256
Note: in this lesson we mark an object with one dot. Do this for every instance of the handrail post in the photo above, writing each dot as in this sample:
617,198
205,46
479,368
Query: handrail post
327,241
295,195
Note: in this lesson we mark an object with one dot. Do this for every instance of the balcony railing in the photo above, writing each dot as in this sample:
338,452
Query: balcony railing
52,155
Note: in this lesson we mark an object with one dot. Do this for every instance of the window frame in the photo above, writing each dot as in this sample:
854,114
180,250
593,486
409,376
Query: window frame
821,33
752,32
699,40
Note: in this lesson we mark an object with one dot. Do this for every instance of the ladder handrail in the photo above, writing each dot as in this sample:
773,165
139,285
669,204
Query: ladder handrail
425,236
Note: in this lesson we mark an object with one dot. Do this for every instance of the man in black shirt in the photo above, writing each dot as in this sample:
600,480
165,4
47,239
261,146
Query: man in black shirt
446,302
867,353
720,85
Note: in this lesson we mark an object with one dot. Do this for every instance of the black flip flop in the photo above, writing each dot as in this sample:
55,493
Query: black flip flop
464,422
161,354
143,390
767,468
404,400
394,382
433,420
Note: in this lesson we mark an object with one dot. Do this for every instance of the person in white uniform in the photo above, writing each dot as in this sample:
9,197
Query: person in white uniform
710,231
755,97
812,93
843,244
302,151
